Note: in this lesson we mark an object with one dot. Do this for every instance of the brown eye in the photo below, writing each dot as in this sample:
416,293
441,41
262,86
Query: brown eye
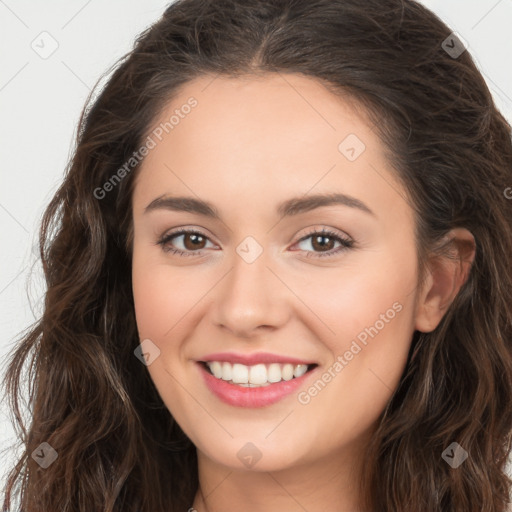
323,243
191,242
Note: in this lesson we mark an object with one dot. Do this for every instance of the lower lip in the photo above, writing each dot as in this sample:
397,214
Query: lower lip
262,396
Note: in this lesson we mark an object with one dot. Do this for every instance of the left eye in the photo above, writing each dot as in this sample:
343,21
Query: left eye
318,241
193,242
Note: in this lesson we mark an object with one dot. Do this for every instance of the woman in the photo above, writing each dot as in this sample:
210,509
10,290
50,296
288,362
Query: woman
278,273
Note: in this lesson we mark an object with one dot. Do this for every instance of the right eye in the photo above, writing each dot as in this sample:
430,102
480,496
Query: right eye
190,237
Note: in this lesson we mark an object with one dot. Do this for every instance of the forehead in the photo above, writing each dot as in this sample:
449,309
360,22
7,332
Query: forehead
264,136
254,110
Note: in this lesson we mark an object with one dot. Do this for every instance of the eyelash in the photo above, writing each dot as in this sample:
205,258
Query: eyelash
345,242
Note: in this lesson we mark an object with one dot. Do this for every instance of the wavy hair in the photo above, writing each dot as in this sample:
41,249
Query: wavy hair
119,448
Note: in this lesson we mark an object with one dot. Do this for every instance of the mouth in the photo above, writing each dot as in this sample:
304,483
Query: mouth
260,384
258,375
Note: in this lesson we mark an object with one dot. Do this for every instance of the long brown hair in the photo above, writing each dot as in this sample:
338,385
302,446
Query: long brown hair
92,400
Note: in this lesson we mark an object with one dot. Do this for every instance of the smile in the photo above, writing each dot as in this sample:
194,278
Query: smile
253,386
257,375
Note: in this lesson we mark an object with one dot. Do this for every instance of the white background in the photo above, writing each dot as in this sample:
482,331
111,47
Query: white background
41,100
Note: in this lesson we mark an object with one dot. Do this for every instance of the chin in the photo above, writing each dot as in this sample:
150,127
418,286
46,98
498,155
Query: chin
244,455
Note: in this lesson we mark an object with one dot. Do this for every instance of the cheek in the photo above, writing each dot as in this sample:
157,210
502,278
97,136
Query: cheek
163,303
370,313
376,291
162,295
151,300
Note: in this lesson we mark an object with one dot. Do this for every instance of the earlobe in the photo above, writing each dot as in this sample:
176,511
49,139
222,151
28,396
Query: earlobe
446,275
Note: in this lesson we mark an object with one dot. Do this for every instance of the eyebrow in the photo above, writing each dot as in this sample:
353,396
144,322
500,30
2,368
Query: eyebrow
290,207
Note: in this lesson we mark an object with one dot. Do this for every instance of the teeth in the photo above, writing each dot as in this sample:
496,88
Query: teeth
300,370
216,369
287,372
240,374
274,372
257,375
226,371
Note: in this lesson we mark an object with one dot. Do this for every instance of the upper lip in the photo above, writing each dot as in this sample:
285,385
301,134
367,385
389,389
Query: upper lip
253,359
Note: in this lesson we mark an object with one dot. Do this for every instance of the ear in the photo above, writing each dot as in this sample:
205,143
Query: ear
446,275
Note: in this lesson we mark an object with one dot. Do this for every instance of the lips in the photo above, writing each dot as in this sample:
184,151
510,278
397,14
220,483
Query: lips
240,394
254,359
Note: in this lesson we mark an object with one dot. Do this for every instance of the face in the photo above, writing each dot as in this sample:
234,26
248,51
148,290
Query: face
272,278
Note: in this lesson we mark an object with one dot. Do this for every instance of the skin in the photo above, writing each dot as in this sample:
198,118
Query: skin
248,145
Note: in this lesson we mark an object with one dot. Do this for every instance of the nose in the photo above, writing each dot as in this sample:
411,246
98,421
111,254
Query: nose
251,299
